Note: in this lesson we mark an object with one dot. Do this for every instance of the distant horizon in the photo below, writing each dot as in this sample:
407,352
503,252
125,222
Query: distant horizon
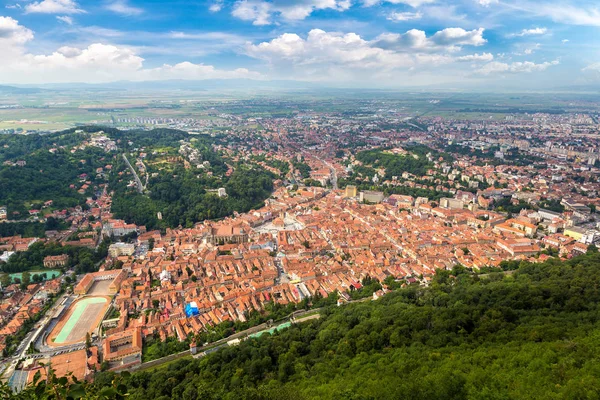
292,85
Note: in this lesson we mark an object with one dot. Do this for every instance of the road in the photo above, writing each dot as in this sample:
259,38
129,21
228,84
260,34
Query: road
138,182
334,178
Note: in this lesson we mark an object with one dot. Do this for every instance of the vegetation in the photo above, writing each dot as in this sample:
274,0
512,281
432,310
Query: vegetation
511,156
31,229
506,204
529,335
13,147
81,258
302,167
552,205
416,163
48,176
183,198
66,388
154,348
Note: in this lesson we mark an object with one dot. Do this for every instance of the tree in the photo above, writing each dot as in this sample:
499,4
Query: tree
88,340
25,280
5,280
155,303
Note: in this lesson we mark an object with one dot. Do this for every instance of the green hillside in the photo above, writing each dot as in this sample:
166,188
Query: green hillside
530,335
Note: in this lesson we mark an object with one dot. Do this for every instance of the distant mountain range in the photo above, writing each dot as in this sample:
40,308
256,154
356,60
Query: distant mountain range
18,90
186,85
241,85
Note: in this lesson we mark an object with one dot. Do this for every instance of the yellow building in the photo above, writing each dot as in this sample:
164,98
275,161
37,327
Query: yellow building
351,191
574,232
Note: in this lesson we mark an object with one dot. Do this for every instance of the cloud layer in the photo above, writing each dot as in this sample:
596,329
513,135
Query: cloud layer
261,12
96,62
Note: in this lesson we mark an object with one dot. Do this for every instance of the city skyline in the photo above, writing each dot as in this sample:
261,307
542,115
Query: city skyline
338,43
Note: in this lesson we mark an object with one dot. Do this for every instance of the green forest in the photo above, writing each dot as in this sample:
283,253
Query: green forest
48,176
415,163
532,334
184,199
13,147
31,229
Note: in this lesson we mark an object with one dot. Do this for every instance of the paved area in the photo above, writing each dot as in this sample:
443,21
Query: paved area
99,288
81,319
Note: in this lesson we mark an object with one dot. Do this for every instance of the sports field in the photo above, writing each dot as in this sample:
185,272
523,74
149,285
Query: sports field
83,316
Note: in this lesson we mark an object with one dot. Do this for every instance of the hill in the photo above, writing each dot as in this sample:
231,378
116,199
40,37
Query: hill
530,335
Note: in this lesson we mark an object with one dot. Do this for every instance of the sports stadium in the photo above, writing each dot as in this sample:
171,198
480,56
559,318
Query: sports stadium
94,295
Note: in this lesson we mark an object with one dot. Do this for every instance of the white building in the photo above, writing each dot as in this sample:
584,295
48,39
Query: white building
121,249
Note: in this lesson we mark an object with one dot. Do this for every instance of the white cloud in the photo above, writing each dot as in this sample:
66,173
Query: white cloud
97,62
327,49
99,32
530,32
459,36
54,7
560,12
123,8
337,56
448,40
105,63
257,12
412,3
487,3
404,16
13,34
260,12
190,71
446,14
564,41
65,18
483,57
595,67
532,49
515,67
216,6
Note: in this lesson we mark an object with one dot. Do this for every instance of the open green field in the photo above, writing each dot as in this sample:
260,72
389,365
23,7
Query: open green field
60,110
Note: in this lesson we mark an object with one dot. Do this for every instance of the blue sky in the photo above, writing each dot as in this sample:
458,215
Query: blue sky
369,43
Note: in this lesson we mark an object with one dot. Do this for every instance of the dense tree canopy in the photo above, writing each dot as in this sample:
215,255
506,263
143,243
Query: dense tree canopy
81,258
415,163
48,176
184,198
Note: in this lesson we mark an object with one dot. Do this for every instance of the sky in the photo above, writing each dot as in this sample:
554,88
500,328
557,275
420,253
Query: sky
338,43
